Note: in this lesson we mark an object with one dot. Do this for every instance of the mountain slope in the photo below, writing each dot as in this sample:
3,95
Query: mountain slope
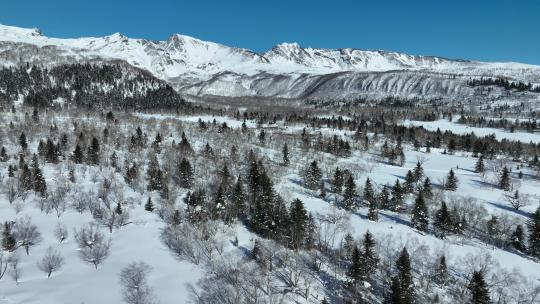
205,68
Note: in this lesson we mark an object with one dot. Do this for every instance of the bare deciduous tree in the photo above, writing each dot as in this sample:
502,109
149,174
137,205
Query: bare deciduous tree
26,233
94,247
135,289
52,261
61,232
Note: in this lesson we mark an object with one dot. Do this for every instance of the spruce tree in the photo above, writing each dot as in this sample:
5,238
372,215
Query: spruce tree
397,197
443,221
356,266
185,174
395,295
349,196
504,180
479,167
313,175
369,194
298,221
427,189
285,151
155,175
77,155
408,185
420,214
149,206
518,239
40,186
533,226
93,152
22,141
418,172
238,200
337,181
478,289
3,155
369,254
406,283
441,271
9,243
384,198
451,181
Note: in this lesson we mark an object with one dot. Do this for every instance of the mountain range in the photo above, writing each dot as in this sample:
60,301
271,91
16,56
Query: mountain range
202,68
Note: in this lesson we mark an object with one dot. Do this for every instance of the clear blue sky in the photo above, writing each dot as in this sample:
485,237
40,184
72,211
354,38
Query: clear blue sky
471,29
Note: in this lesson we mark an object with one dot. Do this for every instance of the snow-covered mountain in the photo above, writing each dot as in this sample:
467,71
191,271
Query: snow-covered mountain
288,70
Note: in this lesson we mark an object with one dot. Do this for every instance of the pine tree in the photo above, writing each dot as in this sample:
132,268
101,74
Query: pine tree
406,283
397,197
25,178
155,175
504,180
395,295
420,214
262,137
518,239
225,177
313,175
443,221
11,171
369,194
533,226
373,212
77,155
418,172
441,271
238,200
149,206
479,167
356,267
22,141
185,174
427,189
369,255
298,219
184,145
337,181
93,152
40,186
349,196
9,243
348,245
285,152
408,185
479,292
3,155
451,181
384,198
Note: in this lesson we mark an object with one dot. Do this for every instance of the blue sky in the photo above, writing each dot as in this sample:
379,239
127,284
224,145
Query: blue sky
473,29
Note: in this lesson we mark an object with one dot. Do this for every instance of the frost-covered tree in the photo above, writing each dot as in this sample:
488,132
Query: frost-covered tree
26,233
61,232
420,218
451,181
504,179
93,246
51,262
313,175
533,226
134,281
349,195
478,289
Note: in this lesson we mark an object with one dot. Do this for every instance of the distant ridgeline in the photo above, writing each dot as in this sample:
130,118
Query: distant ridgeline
504,83
102,85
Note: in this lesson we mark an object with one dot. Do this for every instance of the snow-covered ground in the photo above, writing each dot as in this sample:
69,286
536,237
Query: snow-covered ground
79,282
444,124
